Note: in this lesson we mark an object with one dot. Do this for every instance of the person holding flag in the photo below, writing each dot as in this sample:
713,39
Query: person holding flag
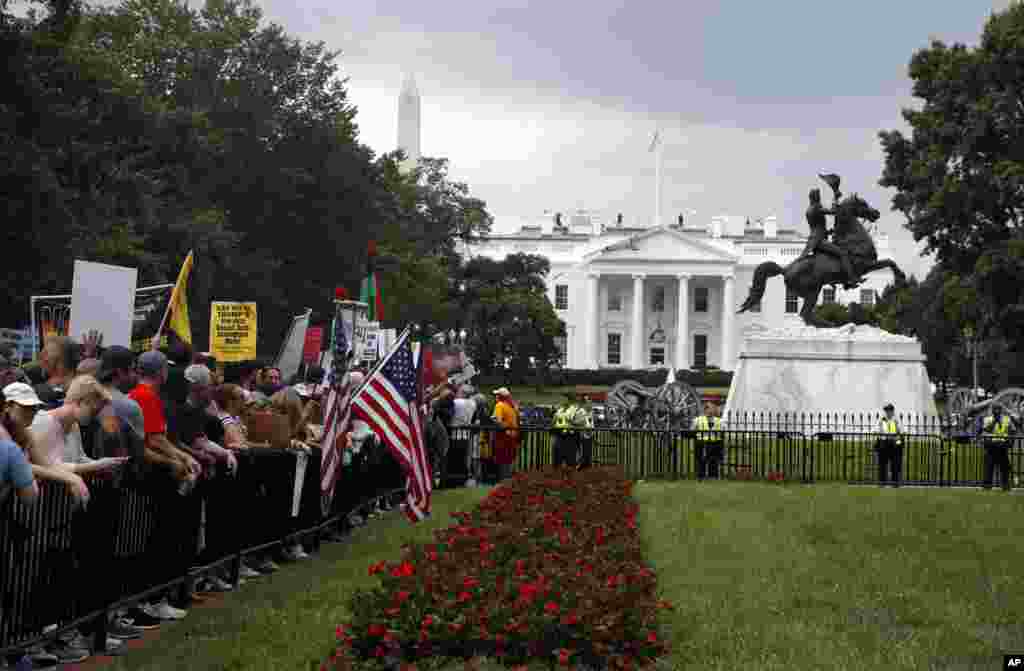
177,308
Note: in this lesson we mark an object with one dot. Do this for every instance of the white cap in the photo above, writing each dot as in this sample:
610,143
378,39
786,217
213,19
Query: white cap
22,394
197,373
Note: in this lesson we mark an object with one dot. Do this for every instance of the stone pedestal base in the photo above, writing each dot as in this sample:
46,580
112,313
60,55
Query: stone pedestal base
851,369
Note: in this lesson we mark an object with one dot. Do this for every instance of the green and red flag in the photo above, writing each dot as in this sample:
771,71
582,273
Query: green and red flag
369,292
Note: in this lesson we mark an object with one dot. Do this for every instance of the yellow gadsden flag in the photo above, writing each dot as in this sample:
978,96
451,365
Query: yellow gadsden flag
178,308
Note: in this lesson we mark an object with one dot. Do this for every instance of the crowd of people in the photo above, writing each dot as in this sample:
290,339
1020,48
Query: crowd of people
171,419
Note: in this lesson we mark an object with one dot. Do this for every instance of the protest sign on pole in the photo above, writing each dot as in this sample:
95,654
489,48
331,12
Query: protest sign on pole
314,344
103,300
150,305
233,331
49,316
289,358
371,345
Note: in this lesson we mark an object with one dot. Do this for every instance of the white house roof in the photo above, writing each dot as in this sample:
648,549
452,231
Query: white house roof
662,244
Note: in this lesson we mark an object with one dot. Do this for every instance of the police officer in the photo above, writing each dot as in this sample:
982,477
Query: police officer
889,447
996,430
565,426
709,446
587,436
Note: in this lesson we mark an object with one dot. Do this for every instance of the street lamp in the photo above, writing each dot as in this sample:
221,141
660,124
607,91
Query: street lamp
972,345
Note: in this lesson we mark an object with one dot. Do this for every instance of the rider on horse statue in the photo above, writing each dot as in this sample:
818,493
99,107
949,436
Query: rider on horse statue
818,240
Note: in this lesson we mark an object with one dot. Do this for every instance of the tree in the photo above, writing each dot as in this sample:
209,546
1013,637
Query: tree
959,178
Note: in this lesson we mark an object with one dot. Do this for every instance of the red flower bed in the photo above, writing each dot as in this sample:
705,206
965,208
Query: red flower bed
549,564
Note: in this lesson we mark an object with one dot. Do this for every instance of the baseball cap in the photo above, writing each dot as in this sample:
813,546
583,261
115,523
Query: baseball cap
197,373
888,406
114,359
22,394
152,363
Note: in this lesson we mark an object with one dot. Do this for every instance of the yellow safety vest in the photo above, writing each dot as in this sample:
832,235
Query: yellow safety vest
704,428
999,431
891,426
563,418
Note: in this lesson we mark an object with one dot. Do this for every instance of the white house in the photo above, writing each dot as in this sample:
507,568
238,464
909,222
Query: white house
643,297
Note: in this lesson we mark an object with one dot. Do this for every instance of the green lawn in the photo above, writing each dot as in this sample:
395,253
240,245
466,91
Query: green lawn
836,577
772,577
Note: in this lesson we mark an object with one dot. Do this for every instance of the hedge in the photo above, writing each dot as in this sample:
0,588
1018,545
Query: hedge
606,377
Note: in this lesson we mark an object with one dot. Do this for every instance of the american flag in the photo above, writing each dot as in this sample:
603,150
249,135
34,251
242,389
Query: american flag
338,414
389,404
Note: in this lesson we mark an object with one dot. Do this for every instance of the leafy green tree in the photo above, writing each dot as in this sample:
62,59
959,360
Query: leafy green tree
959,177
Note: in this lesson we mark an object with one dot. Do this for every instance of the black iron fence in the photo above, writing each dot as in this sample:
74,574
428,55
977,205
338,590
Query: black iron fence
936,451
71,567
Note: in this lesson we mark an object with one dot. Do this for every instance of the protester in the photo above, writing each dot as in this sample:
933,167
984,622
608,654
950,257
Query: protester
194,429
463,409
121,430
15,470
20,407
229,401
88,367
506,446
58,361
153,370
9,372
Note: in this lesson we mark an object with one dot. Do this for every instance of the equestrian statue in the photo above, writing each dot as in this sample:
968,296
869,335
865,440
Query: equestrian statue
844,260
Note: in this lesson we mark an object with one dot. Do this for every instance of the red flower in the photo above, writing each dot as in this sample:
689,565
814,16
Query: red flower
402,596
403,570
520,566
340,631
470,582
427,621
392,612
432,556
570,619
600,536
551,608
376,630
376,568
456,627
464,597
652,637
379,651
563,657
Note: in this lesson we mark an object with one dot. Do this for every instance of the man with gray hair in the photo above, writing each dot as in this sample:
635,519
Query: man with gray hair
194,429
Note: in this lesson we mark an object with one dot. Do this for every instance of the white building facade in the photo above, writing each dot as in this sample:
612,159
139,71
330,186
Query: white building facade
658,297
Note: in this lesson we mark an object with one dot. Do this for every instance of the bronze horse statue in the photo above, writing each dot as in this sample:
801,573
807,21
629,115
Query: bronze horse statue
807,275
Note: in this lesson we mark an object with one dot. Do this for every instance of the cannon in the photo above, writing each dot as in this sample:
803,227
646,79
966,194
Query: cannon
962,410
631,405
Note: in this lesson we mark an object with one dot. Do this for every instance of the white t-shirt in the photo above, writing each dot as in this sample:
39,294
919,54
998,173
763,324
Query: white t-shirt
465,408
60,447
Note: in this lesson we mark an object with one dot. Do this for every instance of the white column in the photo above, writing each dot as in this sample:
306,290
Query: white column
682,357
637,339
728,311
593,321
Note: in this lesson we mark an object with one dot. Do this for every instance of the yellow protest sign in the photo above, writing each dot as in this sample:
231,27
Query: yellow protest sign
233,331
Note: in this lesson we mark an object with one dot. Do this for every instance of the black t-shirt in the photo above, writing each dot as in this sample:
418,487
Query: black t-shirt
187,422
175,390
52,396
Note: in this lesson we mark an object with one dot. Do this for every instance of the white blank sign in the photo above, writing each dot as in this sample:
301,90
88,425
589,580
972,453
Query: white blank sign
103,299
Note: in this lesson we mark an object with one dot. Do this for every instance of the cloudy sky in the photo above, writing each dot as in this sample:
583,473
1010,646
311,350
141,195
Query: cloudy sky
551,105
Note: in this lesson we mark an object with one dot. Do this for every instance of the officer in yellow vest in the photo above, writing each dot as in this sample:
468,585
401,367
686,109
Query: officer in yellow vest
889,447
997,430
709,444
566,427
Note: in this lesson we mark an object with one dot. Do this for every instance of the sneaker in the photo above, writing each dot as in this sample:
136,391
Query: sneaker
299,552
40,658
122,630
218,584
114,647
138,617
246,571
67,654
166,611
268,566
471,483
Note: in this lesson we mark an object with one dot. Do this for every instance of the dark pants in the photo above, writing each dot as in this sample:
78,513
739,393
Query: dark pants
708,456
890,461
566,448
458,455
586,452
997,456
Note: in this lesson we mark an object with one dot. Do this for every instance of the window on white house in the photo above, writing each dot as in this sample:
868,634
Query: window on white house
658,304
614,349
700,299
828,295
756,307
614,301
657,356
700,351
792,305
867,297
561,296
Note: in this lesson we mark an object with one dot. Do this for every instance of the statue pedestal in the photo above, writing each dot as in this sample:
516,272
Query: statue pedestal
846,370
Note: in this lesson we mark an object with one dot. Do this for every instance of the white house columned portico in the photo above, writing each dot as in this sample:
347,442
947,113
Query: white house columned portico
663,297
